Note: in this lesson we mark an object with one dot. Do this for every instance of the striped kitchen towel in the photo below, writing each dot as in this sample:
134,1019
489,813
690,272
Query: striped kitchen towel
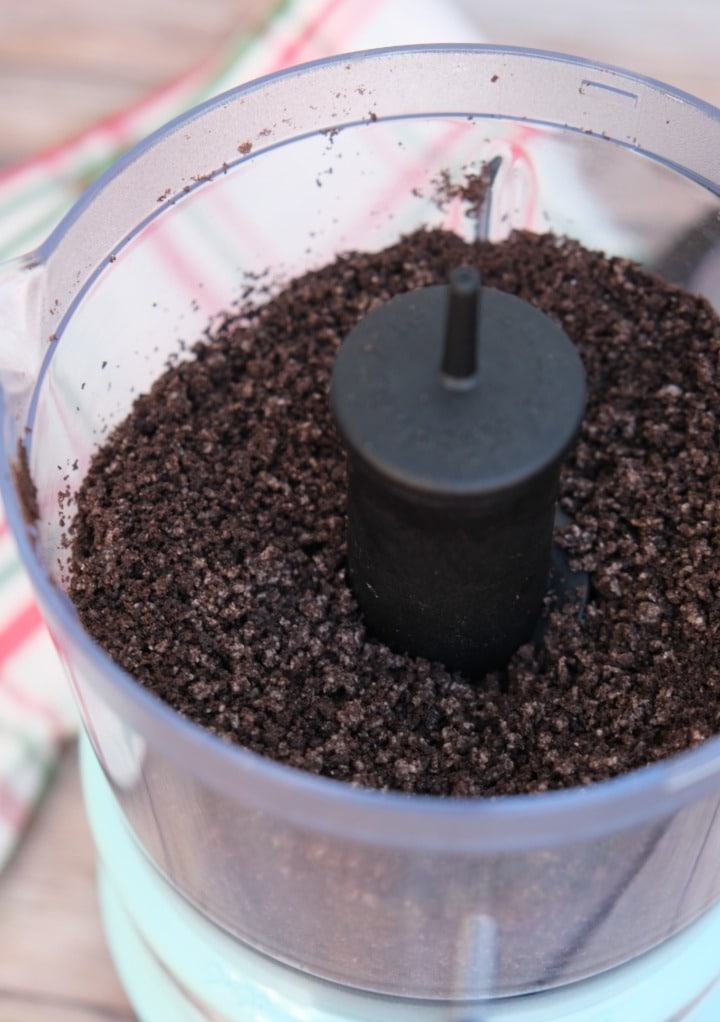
37,714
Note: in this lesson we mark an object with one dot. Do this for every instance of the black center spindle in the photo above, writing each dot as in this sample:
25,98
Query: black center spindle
456,405
459,361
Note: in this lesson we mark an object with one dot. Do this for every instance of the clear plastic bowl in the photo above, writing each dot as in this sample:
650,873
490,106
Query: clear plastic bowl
411,896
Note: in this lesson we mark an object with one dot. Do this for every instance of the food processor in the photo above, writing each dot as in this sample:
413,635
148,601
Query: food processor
233,887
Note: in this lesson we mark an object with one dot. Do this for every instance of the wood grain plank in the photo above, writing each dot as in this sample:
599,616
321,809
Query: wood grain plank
33,1009
54,958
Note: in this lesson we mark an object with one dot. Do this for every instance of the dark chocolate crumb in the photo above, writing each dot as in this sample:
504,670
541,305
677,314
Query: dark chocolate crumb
25,486
472,190
209,545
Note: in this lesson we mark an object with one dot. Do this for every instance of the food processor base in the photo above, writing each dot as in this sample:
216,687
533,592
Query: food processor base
175,963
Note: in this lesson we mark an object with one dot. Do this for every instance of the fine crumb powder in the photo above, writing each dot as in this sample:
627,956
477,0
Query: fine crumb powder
209,543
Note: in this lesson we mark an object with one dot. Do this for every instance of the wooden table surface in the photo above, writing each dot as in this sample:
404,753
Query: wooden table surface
64,64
